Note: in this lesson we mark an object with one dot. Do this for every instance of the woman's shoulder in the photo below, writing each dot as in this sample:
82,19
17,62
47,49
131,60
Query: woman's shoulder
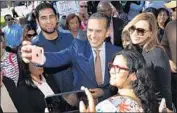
119,104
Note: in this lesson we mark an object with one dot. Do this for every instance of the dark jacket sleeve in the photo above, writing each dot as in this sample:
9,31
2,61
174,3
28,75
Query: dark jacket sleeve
160,61
20,104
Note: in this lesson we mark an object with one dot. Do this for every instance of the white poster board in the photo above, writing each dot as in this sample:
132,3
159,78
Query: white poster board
67,7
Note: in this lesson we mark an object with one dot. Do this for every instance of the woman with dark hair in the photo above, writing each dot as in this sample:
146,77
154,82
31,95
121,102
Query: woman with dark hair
131,76
36,86
163,17
28,33
73,24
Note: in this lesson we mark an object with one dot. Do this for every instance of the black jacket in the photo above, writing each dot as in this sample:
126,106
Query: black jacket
20,104
34,97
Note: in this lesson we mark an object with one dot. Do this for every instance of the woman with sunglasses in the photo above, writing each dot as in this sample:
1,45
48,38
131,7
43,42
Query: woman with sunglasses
28,34
143,32
131,76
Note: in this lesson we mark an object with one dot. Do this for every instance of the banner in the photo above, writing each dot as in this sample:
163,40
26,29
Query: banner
67,7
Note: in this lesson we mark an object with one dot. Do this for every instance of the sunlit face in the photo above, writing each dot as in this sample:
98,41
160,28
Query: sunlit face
34,70
97,32
140,33
47,20
162,17
74,24
119,76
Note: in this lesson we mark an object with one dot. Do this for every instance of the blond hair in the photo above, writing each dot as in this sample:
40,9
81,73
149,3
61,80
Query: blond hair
152,41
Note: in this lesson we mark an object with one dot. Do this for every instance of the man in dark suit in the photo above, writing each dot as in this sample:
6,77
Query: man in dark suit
116,24
169,43
89,58
53,41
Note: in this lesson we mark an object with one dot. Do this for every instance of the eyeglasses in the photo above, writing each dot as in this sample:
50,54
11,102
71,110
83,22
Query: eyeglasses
83,6
30,35
140,31
116,67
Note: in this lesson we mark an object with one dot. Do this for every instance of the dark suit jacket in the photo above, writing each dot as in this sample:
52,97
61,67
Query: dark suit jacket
169,40
118,25
34,97
20,104
63,75
79,54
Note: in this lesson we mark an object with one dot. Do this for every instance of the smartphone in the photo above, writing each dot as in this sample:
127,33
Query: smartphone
66,102
37,55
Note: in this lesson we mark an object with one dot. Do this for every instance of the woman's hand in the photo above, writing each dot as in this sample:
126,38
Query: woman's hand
91,105
173,66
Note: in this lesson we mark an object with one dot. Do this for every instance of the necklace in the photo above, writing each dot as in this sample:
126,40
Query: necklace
39,81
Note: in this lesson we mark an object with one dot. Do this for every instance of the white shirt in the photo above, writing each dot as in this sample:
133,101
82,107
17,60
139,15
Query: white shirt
102,58
44,87
112,31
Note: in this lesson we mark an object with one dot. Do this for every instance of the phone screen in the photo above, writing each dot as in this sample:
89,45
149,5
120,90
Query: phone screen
66,102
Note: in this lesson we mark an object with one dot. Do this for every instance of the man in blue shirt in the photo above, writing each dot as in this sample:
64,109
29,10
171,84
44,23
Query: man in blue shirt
12,31
52,40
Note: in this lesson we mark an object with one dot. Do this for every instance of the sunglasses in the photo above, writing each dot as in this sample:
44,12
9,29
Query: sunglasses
140,31
83,6
9,19
110,66
30,35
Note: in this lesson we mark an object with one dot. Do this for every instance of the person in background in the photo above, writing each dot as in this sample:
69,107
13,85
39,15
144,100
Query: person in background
12,32
132,77
169,43
73,24
116,24
83,14
125,39
143,34
9,62
163,17
152,10
28,32
133,8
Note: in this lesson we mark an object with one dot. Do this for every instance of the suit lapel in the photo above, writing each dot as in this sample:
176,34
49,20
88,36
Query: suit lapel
107,59
87,63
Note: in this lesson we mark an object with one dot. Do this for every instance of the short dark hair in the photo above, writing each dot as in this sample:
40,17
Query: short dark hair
44,6
7,16
71,16
100,15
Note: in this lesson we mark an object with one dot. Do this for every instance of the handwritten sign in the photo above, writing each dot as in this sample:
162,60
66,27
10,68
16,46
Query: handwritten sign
67,7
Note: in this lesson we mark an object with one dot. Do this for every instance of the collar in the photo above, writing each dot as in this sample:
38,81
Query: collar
60,35
102,47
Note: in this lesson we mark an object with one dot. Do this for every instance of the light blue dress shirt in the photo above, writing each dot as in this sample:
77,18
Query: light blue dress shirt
13,35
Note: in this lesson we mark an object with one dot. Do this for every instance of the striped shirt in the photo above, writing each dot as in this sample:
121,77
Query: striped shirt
9,66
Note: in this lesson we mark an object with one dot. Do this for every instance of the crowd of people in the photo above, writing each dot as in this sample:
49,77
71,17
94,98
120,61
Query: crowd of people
124,56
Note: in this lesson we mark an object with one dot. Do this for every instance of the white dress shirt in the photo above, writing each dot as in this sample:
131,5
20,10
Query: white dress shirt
102,58
44,87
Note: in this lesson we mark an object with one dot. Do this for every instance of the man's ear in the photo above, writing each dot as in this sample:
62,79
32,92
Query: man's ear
108,32
37,21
